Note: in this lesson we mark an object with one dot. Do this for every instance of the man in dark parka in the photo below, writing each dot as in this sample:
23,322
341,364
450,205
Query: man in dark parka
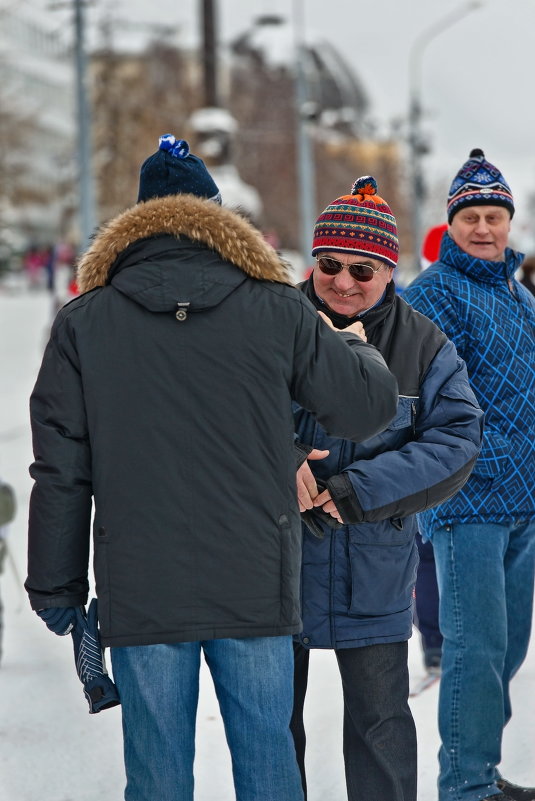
164,397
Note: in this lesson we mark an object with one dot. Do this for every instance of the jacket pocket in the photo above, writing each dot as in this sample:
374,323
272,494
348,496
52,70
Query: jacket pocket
384,560
102,541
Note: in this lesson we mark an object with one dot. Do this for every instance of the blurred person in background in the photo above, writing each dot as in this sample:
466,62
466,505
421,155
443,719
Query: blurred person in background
527,277
33,263
7,515
165,396
484,537
359,502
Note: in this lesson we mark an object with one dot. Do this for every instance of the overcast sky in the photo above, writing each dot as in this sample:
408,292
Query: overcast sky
476,75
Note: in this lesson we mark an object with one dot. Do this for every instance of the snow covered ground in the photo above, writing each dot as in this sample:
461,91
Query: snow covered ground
52,750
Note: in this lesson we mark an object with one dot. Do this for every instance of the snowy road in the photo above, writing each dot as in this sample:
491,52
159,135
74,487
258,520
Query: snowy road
52,750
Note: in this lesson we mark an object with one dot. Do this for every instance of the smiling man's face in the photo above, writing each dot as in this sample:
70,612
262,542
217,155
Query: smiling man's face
482,231
342,293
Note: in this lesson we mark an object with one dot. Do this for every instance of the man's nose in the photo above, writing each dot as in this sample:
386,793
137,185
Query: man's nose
343,279
482,226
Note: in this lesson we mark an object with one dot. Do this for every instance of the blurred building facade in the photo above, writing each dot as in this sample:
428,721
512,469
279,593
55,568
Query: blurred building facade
37,130
156,87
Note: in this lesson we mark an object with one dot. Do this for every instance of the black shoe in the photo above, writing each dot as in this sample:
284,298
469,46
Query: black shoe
515,792
432,660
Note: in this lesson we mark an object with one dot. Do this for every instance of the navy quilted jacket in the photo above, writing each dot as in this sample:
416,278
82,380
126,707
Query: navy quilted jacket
357,581
491,319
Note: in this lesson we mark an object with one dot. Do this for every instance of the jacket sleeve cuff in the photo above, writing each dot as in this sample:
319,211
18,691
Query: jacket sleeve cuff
301,452
345,499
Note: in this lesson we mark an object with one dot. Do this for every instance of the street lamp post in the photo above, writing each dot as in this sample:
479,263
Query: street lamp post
417,146
209,24
86,191
306,177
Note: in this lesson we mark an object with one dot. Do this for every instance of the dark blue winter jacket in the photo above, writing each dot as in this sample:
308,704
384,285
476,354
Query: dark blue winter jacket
491,319
358,580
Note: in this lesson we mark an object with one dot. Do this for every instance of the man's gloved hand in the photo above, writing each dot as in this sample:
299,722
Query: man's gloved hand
312,517
100,691
59,619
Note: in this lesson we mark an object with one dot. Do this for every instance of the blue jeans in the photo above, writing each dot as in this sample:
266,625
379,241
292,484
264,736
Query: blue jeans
485,575
159,688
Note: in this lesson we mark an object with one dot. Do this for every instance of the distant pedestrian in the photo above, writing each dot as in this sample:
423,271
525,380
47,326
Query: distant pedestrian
527,278
7,515
49,265
484,537
32,263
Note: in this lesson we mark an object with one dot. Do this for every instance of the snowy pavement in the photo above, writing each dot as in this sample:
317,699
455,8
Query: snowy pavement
52,750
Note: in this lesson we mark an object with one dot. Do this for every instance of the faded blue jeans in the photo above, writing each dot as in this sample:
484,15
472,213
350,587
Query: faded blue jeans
159,687
485,575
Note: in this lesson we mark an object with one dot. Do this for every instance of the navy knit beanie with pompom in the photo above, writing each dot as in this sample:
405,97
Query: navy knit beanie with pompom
173,170
479,183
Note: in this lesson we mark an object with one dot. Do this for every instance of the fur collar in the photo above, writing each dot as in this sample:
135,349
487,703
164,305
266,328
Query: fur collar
220,229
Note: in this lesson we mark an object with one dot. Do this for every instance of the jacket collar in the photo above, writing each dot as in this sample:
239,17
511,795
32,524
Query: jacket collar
218,228
490,272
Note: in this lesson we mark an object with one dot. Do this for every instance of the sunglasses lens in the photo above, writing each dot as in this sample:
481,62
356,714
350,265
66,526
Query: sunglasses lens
361,272
329,266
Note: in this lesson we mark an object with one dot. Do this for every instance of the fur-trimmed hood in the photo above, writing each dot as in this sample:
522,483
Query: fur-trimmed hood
201,221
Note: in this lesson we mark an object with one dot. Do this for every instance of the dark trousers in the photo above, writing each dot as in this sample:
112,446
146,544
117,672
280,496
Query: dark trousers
427,599
379,732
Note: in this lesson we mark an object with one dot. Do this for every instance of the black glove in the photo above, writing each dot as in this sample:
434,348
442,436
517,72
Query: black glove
312,517
59,619
100,691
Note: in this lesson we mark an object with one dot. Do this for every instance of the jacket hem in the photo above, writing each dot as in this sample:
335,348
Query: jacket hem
357,642
197,635
427,529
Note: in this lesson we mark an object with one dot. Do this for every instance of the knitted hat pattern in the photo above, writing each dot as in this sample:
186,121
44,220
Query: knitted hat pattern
173,170
361,222
479,183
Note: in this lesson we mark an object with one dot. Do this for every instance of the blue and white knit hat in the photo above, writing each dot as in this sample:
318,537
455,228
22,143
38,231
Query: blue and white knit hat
479,183
173,170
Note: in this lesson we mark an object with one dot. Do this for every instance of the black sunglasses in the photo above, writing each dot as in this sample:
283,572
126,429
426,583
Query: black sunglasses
360,272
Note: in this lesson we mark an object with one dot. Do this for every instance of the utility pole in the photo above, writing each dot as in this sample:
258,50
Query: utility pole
306,177
209,26
87,211
84,152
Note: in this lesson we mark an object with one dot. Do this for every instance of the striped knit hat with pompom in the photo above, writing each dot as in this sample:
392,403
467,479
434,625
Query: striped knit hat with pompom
361,222
479,183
